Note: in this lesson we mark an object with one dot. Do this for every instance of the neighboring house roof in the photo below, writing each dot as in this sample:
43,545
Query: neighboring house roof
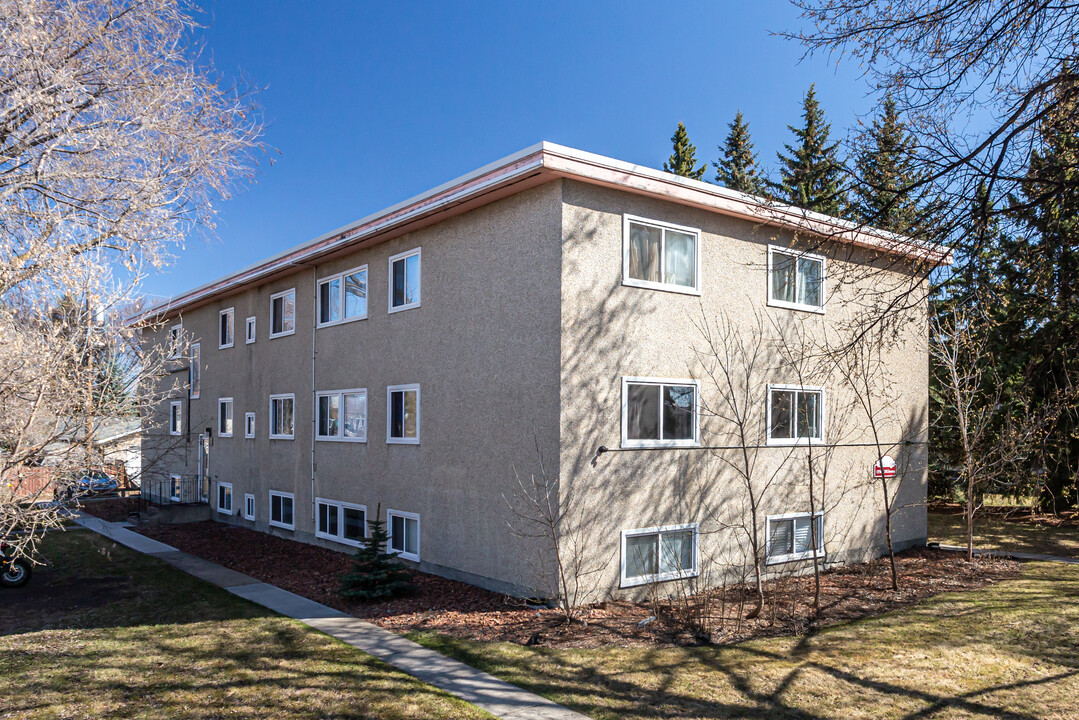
526,169
106,431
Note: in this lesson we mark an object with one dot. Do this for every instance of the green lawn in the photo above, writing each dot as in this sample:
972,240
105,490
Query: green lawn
108,633
996,534
1007,651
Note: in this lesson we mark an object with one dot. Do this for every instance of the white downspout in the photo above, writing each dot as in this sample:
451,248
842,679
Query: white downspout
314,404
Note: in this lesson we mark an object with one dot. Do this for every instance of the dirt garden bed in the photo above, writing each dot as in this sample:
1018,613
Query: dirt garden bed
110,509
453,608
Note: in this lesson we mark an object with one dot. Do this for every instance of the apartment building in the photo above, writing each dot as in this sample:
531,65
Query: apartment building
440,358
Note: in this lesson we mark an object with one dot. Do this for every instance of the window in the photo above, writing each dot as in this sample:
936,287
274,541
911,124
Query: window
224,498
404,534
795,280
658,554
224,417
659,413
174,488
405,280
249,425
176,337
343,297
249,330
660,256
795,415
790,537
176,409
342,415
403,414
340,522
283,313
281,510
249,506
281,417
194,372
226,326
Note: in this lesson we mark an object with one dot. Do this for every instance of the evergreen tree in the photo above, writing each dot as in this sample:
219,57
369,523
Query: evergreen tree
810,173
737,167
885,169
375,575
683,161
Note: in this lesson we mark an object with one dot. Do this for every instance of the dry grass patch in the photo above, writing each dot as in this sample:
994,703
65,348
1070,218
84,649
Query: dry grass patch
1020,533
105,632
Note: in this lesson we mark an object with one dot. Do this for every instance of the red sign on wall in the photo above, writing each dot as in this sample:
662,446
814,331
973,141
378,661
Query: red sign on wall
884,468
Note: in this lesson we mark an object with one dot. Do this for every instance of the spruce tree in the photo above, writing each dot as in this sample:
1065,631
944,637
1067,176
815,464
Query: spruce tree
810,173
683,161
885,170
737,167
375,575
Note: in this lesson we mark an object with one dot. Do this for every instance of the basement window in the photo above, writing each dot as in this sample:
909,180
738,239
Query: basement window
404,534
790,537
224,498
658,554
281,505
340,522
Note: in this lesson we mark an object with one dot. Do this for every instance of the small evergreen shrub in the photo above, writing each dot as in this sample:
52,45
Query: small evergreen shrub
375,575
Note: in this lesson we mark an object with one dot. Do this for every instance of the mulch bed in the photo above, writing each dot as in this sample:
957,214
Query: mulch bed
110,509
453,608
1012,513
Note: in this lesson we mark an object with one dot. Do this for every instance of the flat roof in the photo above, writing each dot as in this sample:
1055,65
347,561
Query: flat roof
528,168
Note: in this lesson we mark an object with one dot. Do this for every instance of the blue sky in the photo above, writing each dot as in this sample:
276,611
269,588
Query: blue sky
369,103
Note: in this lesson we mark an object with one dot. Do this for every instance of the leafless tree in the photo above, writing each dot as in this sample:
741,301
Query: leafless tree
115,142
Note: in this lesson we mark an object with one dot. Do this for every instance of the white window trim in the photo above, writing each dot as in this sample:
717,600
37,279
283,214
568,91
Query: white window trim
661,577
341,276
196,356
295,314
415,557
819,310
269,422
791,557
389,415
400,256
249,500
179,488
232,410
175,342
231,314
173,406
638,443
341,404
232,498
249,330
666,287
249,429
797,441
276,523
341,506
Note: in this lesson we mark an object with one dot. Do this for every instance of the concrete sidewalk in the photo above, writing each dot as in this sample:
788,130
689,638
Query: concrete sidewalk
1035,557
497,697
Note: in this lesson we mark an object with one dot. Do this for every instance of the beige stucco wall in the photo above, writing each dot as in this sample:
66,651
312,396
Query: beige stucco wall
483,347
610,330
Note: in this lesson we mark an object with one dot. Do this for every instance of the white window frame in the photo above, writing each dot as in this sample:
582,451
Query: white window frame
418,252
176,336
796,440
667,287
249,424
341,507
295,314
249,502
791,557
818,309
640,443
176,417
232,416
224,486
249,330
389,415
270,423
175,484
229,313
341,404
195,364
661,577
390,514
278,523
341,300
